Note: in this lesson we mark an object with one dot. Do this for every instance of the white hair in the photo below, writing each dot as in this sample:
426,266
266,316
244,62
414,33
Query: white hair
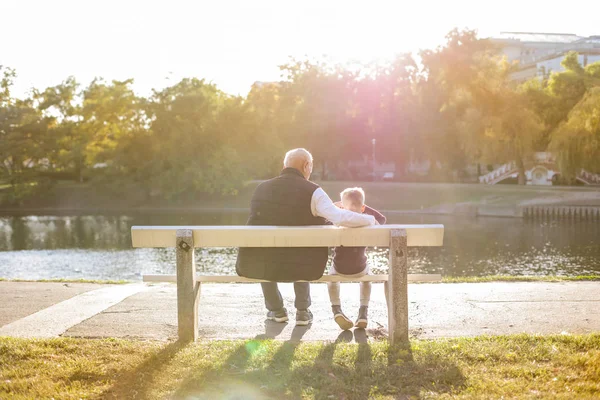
293,156
355,195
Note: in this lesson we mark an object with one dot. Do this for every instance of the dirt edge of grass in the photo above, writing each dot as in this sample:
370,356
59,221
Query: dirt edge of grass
61,280
523,278
445,279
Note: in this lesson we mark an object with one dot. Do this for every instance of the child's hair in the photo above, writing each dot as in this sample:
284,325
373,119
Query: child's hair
355,195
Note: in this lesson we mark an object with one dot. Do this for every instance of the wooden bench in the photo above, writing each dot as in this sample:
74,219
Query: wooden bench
185,238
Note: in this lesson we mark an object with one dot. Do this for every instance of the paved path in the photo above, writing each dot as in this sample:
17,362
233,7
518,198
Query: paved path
56,319
235,311
20,299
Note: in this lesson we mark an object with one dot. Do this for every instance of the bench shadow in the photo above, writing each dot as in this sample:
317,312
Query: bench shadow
325,357
200,383
363,363
134,383
272,330
352,373
298,332
229,380
229,377
403,378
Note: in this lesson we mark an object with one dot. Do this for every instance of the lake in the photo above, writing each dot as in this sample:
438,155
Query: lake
99,246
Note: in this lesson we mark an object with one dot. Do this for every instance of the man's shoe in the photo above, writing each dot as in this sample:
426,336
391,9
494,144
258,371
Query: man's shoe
362,320
303,317
344,322
278,316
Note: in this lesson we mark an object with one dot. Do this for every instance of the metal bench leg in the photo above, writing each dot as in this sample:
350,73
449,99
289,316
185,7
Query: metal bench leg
188,292
397,287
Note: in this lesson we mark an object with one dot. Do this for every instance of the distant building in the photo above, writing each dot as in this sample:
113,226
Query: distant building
261,84
540,54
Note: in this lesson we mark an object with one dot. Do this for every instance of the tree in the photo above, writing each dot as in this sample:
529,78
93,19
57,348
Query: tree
192,146
269,110
558,103
545,106
62,102
568,87
577,141
457,107
321,95
23,141
111,114
385,103
511,133
460,97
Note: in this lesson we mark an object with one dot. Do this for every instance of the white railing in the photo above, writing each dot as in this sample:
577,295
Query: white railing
503,172
492,177
589,178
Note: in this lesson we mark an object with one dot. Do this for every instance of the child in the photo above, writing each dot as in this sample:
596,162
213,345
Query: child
351,262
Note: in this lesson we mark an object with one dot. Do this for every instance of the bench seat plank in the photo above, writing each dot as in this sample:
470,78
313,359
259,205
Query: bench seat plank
325,278
287,236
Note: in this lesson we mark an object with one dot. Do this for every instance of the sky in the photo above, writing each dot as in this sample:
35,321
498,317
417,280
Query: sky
234,43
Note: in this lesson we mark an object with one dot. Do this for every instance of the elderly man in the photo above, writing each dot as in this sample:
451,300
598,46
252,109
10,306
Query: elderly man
292,200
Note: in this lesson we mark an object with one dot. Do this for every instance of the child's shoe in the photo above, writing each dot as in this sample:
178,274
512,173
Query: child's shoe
344,322
362,320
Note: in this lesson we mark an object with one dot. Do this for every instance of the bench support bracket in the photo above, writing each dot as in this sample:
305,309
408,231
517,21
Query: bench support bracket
188,292
397,287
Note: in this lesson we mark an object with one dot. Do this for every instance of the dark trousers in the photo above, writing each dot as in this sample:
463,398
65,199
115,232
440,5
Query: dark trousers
273,299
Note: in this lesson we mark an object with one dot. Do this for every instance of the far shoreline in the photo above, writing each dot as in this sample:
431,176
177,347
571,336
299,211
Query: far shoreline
49,211
393,198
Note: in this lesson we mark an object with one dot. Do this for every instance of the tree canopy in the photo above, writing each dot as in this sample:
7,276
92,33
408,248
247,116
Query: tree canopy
452,107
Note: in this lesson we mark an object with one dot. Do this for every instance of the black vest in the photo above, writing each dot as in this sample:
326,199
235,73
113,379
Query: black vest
284,201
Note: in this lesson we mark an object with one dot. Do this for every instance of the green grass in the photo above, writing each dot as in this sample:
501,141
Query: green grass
415,196
525,278
111,282
520,366
407,196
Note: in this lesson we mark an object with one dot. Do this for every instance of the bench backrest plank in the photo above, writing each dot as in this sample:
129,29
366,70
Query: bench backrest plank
287,236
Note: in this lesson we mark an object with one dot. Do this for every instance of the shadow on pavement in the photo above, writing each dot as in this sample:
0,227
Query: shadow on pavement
272,330
298,332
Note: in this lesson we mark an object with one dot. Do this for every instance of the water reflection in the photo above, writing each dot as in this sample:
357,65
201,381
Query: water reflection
99,246
93,231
